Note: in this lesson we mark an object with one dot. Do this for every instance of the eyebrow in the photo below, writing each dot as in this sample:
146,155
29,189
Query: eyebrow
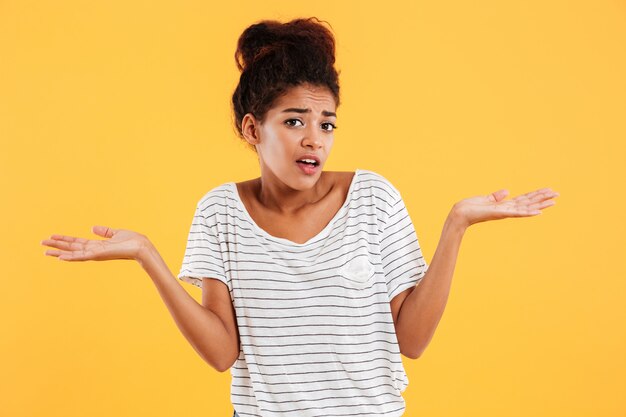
298,110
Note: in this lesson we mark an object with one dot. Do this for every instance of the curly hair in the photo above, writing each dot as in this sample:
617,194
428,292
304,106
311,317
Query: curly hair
274,56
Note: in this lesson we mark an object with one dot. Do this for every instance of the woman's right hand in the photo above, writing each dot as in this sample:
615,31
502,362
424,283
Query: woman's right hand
120,244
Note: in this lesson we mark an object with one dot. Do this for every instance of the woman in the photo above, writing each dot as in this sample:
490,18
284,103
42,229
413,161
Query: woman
309,277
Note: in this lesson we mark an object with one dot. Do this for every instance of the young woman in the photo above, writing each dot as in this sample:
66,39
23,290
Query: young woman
309,277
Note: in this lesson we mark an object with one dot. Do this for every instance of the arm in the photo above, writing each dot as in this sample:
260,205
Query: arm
206,328
201,327
422,309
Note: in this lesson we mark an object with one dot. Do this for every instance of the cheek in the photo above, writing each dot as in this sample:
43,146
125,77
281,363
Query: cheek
286,142
329,144
279,147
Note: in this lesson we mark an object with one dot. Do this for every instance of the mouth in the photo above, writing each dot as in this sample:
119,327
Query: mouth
308,166
308,161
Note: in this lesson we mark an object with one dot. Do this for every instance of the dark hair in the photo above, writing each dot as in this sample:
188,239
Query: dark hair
274,56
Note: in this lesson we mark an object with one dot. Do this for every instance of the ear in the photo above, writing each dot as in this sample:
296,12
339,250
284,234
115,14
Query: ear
250,129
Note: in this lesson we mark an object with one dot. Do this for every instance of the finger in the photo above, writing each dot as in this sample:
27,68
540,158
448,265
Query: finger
60,244
511,208
534,208
61,255
525,212
498,195
103,231
533,193
52,252
542,205
537,195
75,256
53,243
68,238
66,257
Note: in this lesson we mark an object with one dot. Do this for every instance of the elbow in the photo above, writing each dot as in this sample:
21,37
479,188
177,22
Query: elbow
222,367
227,364
410,346
411,354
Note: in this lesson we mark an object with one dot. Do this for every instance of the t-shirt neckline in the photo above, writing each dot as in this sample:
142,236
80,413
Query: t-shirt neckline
285,241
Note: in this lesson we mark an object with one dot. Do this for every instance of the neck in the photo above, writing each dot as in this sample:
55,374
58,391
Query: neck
277,196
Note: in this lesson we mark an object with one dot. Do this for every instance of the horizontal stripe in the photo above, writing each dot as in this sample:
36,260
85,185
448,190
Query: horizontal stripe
316,333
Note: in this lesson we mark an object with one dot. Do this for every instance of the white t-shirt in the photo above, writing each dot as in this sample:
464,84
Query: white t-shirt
317,334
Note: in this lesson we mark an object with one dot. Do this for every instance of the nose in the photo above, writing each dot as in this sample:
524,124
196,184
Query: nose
312,139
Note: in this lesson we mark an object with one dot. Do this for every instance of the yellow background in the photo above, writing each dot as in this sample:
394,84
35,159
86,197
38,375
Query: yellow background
118,113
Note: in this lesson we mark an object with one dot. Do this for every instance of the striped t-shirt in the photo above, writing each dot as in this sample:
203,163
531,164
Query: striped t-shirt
316,331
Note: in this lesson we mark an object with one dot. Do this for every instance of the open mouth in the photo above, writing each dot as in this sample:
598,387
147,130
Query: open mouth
308,162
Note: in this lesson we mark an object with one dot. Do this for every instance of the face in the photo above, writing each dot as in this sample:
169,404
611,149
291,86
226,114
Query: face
297,130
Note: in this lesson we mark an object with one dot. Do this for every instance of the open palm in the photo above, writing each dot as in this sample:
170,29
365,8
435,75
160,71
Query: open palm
493,206
120,244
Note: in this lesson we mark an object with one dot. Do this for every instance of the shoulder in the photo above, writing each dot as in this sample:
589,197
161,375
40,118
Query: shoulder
216,200
364,179
338,180
378,185
374,194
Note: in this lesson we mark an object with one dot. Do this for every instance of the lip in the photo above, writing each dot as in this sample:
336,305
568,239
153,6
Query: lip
310,156
308,169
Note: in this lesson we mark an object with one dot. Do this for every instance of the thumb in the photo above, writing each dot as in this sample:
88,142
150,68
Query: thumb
499,195
103,231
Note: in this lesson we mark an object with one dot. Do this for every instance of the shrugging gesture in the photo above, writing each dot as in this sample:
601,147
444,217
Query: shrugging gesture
422,306
121,244
493,206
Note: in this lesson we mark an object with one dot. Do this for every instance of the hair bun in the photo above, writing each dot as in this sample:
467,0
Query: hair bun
267,36
252,42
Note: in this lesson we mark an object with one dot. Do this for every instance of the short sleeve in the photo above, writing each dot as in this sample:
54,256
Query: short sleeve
203,256
403,263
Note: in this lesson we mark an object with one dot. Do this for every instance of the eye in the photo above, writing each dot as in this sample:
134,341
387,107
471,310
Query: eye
328,126
292,122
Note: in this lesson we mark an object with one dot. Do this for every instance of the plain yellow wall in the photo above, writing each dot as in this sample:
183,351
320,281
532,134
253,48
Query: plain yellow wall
117,113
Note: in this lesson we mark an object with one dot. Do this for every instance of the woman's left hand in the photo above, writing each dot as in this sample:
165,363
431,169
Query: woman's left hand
493,206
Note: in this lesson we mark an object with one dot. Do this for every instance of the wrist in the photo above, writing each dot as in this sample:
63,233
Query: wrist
145,252
457,221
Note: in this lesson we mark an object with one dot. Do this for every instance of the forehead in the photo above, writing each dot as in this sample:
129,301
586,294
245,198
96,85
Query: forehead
306,96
